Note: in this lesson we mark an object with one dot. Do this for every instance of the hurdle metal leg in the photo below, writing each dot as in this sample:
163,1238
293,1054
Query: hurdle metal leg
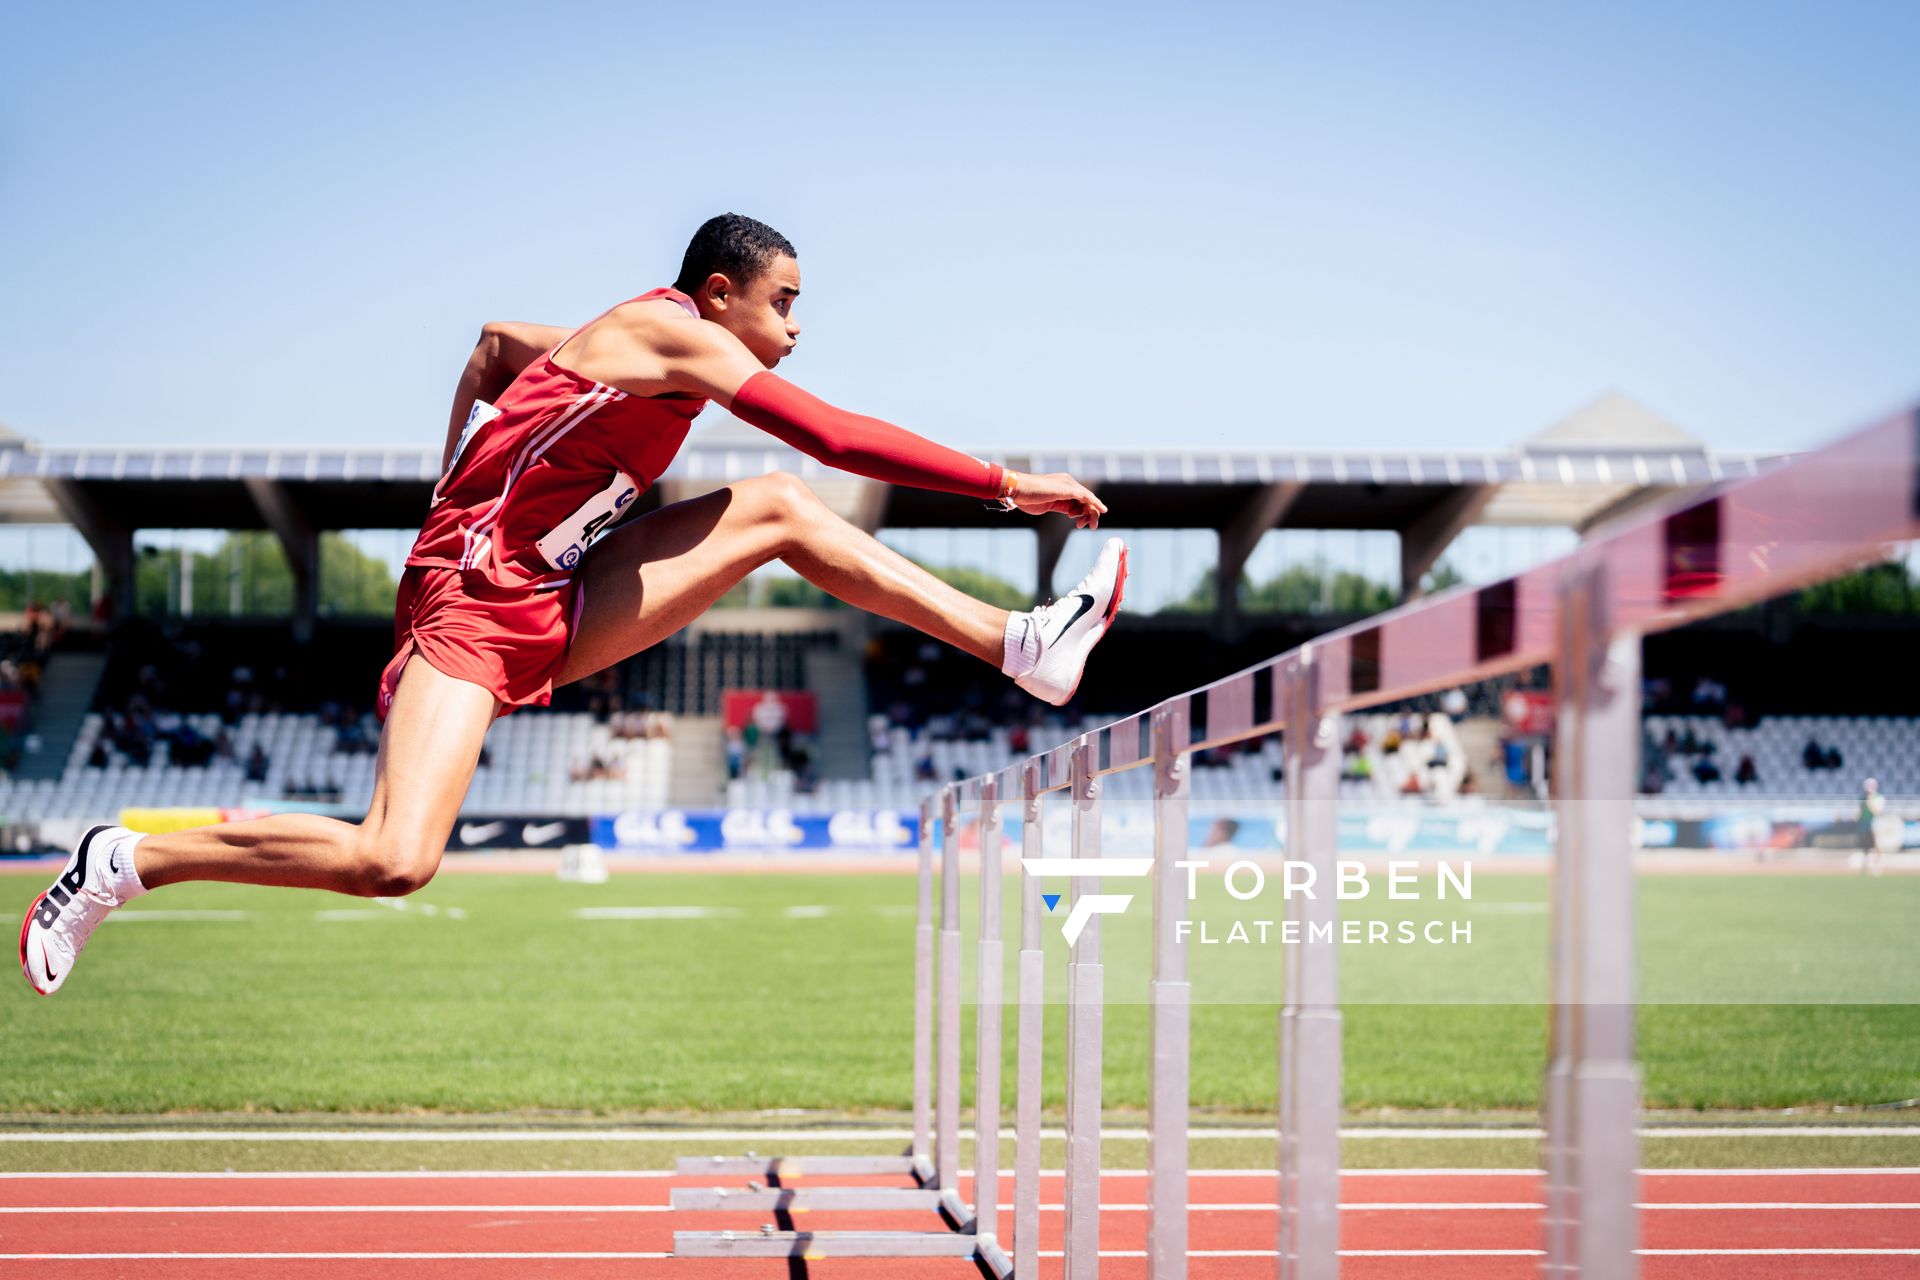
1593,1082
1033,1008
1311,1071
1086,994
923,1006
986,1039
1170,993
946,1139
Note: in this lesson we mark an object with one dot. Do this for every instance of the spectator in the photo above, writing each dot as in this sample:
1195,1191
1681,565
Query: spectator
256,767
736,753
1813,756
1745,774
1872,805
1705,771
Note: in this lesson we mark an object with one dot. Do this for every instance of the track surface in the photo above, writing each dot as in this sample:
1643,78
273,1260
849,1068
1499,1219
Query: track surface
1810,1224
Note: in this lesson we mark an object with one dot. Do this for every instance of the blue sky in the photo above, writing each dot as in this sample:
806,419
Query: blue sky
1196,225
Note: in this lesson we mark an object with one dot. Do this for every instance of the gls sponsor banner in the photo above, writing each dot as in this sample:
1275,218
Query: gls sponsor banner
540,832
717,830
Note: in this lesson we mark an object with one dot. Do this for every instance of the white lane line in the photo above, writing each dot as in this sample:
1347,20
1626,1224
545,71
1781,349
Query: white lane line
327,1257
1408,1206
807,912
1045,1253
1794,1206
1863,1171
245,1175
339,1208
1778,1253
241,1175
164,917
351,913
847,1135
653,913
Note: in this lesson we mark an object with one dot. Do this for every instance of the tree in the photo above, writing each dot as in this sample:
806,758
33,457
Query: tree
1878,589
1300,588
247,575
1442,576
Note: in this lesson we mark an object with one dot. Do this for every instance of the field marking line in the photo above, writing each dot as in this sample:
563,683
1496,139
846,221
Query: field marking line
871,1135
655,912
151,916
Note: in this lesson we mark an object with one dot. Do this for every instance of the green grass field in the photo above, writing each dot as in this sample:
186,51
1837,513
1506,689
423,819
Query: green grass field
518,1006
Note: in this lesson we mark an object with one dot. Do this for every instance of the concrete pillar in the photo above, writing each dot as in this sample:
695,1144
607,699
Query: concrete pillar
1265,509
1050,539
110,540
1432,531
301,543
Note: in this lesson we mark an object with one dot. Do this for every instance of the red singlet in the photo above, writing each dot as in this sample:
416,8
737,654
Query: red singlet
560,462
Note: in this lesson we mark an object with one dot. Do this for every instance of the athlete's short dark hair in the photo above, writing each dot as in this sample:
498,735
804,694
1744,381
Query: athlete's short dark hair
733,244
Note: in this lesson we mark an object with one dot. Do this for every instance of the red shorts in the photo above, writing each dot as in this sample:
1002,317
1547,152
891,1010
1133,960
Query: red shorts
511,643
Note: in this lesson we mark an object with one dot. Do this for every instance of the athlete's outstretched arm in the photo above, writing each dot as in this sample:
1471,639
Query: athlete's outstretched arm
505,348
709,361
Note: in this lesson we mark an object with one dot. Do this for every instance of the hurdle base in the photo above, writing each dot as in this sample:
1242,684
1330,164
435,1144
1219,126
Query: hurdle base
752,1166
800,1199
837,1244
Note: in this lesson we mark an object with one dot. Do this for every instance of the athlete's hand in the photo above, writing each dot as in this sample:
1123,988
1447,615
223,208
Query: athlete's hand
1058,491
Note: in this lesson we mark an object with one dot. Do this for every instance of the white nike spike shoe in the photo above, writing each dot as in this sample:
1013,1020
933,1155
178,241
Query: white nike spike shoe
1068,628
65,916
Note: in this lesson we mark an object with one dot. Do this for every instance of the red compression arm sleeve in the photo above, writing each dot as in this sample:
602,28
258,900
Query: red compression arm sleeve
862,445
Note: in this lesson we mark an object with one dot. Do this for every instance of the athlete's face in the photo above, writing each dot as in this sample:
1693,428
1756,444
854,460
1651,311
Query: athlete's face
760,312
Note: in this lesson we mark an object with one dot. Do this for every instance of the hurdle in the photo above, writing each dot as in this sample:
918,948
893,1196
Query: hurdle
933,1159
1584,615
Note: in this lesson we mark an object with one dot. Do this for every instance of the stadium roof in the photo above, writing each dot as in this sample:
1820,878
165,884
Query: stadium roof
1593,463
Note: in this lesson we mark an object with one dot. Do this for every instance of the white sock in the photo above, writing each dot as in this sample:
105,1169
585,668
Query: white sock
122,880
1021,645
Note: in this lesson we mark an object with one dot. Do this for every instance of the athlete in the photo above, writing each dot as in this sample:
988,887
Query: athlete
554,433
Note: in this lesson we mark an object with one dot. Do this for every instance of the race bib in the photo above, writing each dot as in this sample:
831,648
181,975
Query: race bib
569,540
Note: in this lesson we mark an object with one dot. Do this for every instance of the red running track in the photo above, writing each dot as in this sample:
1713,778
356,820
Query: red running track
1436,1225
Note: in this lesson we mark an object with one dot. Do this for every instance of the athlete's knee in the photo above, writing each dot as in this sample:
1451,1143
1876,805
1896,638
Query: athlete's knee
783,496
393,864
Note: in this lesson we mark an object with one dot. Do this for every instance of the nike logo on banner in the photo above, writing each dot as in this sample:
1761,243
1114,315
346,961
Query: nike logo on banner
541,832
1086,603
474,833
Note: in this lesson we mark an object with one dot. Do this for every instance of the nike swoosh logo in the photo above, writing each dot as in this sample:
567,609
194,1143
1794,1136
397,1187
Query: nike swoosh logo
539,833
485,831
76,879
1086,603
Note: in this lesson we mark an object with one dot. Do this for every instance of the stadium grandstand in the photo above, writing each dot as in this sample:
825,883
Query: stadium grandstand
206,631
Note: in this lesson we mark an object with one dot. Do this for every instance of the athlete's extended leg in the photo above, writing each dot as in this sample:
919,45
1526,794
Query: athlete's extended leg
428,752
427,756
653,577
